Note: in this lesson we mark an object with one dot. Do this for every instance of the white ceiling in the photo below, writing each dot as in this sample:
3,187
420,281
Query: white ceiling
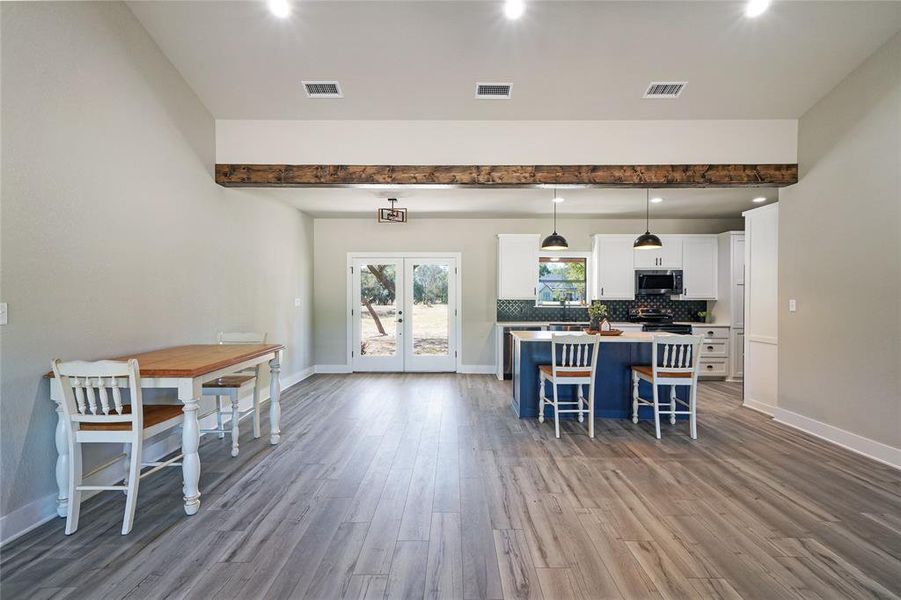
524,203
567,60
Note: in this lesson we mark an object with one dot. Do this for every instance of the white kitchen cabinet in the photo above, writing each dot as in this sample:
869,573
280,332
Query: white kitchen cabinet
614,274
668,257
699,267
715,351
730,304
736,371
517,266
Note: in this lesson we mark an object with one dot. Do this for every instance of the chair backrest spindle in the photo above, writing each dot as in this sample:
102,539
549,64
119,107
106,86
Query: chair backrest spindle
87,387
571,353
675,354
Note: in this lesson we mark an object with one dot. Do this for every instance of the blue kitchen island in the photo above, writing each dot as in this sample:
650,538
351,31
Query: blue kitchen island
613,380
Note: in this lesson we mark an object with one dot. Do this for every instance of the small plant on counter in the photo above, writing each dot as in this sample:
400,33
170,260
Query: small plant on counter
597,312
704,315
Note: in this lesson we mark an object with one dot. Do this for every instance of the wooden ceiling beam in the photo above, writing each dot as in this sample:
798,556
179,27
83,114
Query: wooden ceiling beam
487,176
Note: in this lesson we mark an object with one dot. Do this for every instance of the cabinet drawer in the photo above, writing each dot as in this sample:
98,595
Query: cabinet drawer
715,347
713,368
718,333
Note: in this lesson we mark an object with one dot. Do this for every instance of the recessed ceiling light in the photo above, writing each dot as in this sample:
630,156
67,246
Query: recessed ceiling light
514,9
279,8
755,8
656,200
759,199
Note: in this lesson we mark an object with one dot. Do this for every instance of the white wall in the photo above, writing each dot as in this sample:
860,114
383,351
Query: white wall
840,257
115,237
476,239
506,142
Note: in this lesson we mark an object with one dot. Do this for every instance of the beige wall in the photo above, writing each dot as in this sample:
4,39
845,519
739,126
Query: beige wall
114,236
476,239
840,257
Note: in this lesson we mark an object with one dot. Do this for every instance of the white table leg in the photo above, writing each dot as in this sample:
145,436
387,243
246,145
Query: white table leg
275,393
62,461
190,441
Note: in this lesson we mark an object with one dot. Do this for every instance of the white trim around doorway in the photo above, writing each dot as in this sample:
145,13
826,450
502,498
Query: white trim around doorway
349,323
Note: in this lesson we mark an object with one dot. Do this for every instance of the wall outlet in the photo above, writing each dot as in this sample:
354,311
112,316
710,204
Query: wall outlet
3,313
792,305
297,302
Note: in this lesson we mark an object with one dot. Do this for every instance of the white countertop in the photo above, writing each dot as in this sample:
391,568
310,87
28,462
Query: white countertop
545,336
613,323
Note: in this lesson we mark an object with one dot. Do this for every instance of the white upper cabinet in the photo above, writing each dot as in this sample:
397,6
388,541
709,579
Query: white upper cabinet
699,267
517,266
614,273
668,257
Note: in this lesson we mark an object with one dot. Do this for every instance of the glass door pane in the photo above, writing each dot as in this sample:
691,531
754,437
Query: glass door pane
378,310
430,324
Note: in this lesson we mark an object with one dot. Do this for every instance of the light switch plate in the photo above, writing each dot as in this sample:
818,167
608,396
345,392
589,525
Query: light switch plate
3,313
792,305
297,302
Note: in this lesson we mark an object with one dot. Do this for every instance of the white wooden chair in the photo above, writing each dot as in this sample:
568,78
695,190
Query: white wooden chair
574,361
233,387
675,362
92,404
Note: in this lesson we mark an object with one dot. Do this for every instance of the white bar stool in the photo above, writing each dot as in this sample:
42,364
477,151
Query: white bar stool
233,387
574,360
92,405
676,365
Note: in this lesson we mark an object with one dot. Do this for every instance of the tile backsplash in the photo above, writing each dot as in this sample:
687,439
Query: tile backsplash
617,310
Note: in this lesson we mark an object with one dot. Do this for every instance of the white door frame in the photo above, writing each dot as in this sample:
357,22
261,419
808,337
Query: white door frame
351,301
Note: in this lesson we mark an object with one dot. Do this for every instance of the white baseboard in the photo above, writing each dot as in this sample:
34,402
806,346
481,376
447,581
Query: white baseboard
34,514
762,407
297,377
478,369
878,451
332,369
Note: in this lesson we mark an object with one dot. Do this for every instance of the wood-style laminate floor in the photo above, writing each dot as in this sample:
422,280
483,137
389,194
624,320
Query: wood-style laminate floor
412,486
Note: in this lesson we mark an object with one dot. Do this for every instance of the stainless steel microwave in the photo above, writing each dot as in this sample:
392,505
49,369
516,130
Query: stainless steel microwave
658,283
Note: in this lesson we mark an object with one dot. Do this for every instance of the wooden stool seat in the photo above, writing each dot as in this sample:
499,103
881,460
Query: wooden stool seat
548,370
230,381
648,371
154,414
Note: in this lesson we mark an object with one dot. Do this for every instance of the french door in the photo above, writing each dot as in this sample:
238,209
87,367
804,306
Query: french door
404,312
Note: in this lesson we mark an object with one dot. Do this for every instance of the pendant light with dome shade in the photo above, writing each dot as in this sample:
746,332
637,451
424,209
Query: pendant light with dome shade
555,241
647,240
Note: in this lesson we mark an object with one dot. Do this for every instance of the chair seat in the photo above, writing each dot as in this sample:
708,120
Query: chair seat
648,372
154,414
549,371
230,381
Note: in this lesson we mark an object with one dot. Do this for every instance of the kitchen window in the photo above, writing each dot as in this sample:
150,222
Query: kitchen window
562,279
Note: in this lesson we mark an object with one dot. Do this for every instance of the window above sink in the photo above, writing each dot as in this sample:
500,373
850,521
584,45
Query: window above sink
562,280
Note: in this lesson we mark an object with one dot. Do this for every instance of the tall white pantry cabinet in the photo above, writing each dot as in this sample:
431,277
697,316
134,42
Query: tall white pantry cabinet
730,306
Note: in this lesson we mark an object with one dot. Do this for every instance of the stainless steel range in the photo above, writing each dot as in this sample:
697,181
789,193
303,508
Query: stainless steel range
655,319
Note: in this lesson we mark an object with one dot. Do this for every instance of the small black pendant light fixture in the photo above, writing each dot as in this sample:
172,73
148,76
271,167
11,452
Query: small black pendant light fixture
555,241
647,240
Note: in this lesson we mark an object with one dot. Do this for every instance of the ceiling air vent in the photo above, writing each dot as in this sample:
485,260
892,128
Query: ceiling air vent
494,91
665,89
322,89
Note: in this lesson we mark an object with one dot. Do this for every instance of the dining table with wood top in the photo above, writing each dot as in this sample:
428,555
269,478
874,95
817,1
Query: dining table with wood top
184,369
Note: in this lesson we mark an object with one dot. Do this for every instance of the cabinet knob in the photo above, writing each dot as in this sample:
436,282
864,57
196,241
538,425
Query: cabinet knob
709,366
710,347
710,333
